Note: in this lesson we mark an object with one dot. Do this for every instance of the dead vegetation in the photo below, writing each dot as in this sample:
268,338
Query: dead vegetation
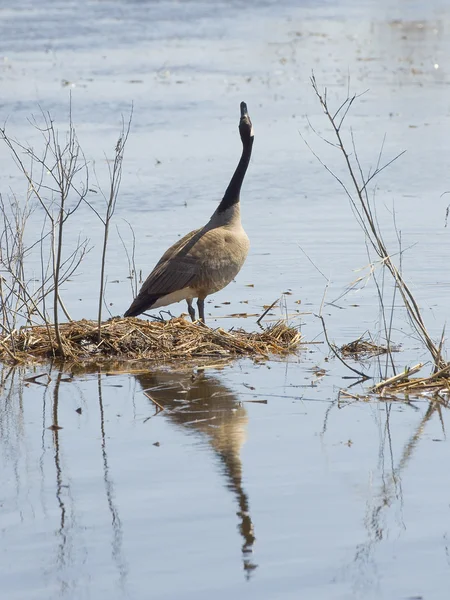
355,183
136,339
35,257
437,384
362,348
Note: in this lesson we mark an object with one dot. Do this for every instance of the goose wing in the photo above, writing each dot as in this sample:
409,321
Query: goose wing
177,269
170,276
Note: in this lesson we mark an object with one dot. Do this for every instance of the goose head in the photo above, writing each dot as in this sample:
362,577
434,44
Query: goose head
245,125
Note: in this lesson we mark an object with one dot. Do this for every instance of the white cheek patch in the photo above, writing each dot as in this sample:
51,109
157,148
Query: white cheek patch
252,134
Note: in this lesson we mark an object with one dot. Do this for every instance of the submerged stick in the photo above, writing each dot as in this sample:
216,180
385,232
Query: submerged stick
157,404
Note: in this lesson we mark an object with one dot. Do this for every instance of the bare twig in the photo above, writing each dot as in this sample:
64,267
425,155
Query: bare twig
360,204
61,163
132,272
115,177
261,317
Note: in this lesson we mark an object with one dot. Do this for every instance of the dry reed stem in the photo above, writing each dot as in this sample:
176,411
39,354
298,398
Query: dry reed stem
396,378
136,339
366,216
436,384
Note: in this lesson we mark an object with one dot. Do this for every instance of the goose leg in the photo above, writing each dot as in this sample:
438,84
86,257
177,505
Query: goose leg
191,309
201,309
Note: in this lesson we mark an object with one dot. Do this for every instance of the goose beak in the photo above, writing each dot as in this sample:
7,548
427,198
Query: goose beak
244,111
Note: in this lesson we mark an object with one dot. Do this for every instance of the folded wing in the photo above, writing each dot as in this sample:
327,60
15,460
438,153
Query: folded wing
175,271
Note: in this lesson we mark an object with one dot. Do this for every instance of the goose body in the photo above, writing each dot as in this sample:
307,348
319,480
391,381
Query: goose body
207,259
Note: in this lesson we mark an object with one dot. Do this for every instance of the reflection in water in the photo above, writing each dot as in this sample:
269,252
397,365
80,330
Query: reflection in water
390,490
68,530
363,568
69,527
199,404
109,489
59,475
390,487
11,420
205,405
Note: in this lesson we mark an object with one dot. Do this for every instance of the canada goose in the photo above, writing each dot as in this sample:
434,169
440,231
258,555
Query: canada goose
205,260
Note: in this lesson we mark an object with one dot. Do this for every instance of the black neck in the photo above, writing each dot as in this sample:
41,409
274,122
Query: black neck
231,196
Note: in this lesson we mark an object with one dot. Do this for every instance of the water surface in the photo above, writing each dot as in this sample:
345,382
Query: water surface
257,480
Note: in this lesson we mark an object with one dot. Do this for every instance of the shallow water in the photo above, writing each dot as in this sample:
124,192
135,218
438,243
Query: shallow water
256,480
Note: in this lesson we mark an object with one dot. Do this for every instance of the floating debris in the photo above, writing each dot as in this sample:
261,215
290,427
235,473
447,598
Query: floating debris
436,384
363,348
54,427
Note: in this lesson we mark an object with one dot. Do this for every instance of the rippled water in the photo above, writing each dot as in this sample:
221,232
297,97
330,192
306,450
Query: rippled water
256,481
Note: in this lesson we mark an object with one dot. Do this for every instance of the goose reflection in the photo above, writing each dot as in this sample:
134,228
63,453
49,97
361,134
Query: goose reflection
202,403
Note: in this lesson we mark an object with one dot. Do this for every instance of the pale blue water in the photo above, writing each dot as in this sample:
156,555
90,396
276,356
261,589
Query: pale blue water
310,494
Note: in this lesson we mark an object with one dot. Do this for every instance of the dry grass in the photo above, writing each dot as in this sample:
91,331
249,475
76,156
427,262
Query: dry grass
361,348
135,339
437,384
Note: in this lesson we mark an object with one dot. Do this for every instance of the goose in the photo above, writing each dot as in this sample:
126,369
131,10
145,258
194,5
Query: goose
207,259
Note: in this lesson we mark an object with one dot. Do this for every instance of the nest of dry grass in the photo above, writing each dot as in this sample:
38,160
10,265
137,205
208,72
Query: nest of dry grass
363,348
135,339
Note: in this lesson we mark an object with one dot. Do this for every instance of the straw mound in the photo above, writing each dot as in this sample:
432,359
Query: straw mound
135,339
362,348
